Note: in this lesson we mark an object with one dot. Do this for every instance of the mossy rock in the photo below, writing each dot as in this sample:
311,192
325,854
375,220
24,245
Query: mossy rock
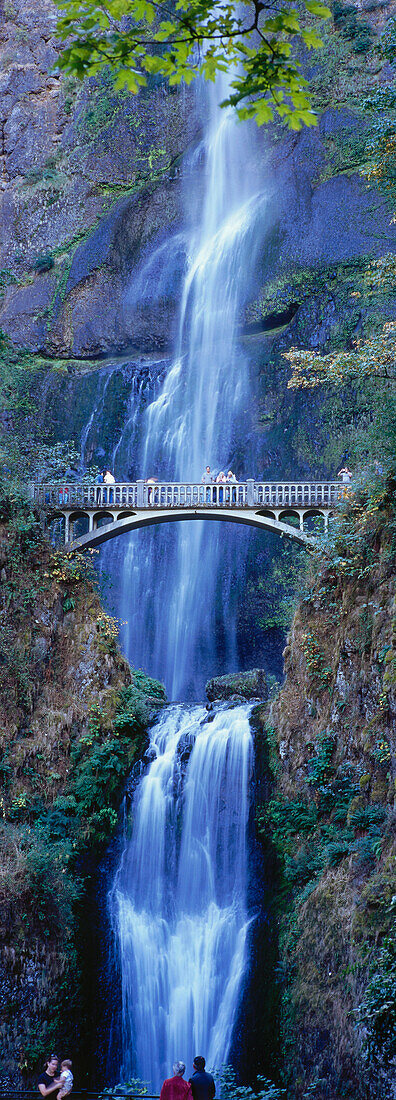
244,686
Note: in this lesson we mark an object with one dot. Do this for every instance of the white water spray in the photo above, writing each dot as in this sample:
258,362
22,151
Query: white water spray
178,906
177,583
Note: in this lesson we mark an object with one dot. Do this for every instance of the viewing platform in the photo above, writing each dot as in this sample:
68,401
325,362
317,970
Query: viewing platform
106,510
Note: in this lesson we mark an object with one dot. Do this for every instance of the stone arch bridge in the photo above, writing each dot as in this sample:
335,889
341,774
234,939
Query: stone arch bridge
106,511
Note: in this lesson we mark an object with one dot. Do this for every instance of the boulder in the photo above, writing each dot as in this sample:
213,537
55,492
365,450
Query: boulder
239,686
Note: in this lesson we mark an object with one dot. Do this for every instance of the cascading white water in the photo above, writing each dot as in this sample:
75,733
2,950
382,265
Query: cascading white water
177,583
178,903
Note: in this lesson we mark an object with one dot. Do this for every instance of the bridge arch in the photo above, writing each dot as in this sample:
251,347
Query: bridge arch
290,513
97,518
134,521
108,510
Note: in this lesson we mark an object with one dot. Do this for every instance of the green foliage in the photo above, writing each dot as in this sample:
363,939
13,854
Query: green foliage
136,702
229,1089
355,30
103,756
136,39
374,357
286,818
134,1086
276,594
44,262
377,1013
320,764
320,674
71,568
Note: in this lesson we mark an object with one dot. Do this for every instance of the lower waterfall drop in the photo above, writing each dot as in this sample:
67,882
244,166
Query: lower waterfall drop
178,903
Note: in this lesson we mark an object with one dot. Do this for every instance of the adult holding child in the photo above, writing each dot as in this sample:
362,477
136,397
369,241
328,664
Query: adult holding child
50,1080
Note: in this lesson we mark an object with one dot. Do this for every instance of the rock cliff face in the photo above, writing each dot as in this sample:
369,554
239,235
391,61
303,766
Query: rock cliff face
91,195
88,179
73,719
332,743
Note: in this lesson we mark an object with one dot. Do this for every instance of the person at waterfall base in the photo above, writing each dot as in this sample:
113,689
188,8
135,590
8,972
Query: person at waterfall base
176,1088
66,1078
50,1080
202,1083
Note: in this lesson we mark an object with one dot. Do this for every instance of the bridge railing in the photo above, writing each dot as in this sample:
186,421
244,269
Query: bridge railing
301,494
141,494
82,1094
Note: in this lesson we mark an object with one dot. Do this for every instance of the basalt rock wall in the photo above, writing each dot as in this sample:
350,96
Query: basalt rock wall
331,736
91,201
73,719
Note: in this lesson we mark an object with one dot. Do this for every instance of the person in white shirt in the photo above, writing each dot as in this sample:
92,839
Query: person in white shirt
109,479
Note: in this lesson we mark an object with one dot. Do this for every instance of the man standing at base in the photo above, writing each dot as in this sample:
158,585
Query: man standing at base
202,1083
175,1088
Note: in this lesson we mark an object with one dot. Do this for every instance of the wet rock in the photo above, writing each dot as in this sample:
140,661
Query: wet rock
25,315
40,649
240,686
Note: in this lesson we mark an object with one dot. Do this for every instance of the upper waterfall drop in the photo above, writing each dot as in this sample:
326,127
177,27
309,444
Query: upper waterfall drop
174,601
179,906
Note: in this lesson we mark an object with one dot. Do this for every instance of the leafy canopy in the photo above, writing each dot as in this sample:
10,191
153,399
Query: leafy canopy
371,358
253,42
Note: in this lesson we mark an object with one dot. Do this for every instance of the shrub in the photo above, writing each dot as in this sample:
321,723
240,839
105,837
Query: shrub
44,262
377,1013
288,817
229,1089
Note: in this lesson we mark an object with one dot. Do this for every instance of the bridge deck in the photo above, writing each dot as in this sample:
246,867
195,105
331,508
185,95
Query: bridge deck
140,494
112,509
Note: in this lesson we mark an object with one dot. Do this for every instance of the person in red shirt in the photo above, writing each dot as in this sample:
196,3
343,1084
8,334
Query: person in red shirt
175,1088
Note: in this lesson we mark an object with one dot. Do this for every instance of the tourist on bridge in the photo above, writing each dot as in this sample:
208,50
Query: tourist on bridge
207,479
50,1080
202,1083
345,474
150,481
99,481
109,479
231,480
176,1088
221,480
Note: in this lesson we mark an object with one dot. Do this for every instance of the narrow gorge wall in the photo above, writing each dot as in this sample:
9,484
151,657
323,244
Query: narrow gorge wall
332,748
73,720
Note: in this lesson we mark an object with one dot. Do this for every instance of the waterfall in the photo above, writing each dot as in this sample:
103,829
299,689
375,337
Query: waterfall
178,583
178,903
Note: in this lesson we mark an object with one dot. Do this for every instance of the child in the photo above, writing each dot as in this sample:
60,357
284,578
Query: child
66,1078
